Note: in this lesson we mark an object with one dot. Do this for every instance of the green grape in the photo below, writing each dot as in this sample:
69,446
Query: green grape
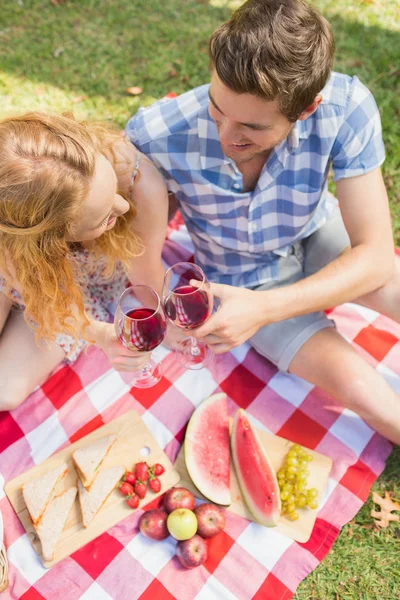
293,516
312,493
302,476
292,461
281,474
313,504
291,499
292,470
303,464
300,485
301,501
291,454
288,487
302,453
291,507
284,495
290,476
309,457
296,448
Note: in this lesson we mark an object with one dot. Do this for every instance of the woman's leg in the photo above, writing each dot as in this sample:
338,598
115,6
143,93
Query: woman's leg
23,365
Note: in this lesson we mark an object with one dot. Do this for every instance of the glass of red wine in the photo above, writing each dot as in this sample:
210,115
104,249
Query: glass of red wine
140,325
188,307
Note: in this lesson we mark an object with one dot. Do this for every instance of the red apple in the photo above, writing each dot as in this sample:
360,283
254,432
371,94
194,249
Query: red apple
211,520
192,553
179,497
153,524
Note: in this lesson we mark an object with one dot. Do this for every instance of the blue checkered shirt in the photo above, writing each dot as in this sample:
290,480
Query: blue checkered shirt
238,236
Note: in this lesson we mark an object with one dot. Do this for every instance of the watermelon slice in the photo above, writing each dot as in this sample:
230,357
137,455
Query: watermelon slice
255,473
207,452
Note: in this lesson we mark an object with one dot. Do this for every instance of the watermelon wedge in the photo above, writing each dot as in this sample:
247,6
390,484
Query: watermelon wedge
255,473
207,449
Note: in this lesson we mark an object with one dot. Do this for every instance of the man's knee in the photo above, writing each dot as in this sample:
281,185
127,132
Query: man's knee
364,397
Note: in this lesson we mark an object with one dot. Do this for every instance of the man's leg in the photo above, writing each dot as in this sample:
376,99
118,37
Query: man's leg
328,361
386,299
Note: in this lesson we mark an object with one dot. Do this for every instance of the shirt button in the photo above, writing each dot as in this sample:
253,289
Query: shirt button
236,186
253,226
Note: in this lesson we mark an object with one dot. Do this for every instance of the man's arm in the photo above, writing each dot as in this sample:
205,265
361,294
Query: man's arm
368,264
365,267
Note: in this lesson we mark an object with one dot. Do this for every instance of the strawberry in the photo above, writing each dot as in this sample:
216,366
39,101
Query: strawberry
126,489
140,489
158,469
155,484
130,477
133,501
142,471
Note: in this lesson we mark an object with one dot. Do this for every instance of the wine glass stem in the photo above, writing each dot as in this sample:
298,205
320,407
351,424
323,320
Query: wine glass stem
194,349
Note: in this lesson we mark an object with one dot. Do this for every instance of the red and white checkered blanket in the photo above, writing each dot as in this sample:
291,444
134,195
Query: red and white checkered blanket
245,561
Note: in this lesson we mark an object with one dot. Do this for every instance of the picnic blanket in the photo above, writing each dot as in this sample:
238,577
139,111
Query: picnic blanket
246,561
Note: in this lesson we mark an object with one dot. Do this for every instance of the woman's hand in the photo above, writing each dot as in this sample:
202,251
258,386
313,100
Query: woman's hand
120,357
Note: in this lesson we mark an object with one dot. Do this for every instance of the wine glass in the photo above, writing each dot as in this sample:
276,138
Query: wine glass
140,325
188,307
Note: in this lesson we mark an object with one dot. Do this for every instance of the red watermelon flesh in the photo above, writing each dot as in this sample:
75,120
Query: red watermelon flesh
207,449
255,473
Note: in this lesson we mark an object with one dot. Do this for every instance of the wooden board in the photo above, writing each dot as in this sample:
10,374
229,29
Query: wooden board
133,436
277,449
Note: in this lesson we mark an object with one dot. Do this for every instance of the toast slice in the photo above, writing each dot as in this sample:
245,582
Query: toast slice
92,501
88,460
38,492
53,521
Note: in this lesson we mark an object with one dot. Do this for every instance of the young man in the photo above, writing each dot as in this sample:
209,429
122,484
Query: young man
247,159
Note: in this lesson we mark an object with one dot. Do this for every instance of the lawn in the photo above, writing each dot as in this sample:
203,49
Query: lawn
81,56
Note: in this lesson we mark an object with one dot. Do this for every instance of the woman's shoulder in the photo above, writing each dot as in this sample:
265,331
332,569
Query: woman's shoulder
148,180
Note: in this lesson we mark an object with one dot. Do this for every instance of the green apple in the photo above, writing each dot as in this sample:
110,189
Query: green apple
182,524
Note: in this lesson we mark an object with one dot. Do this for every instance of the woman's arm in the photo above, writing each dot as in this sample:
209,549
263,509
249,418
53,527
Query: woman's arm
150,199
5,308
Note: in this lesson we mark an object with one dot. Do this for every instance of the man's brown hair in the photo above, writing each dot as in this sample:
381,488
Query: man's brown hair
275,49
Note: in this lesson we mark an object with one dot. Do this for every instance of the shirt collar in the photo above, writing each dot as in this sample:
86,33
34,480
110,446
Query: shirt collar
211,155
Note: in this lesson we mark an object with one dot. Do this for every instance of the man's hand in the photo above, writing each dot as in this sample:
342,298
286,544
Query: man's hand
120,357
240,316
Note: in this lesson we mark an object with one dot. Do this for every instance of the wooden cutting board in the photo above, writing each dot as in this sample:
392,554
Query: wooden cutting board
133,437
277,449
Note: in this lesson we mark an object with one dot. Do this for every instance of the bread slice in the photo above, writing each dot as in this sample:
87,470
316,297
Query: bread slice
88,459
53,520
38,492
91,501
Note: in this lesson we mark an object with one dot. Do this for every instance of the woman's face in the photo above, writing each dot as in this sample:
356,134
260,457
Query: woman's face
102,206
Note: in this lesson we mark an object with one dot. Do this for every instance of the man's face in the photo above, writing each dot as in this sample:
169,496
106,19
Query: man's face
247,125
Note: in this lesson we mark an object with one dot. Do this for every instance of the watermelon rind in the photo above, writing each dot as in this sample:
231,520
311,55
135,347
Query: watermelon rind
255,474
201,446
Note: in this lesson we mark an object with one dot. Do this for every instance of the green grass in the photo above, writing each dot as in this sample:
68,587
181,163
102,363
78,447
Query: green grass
82,55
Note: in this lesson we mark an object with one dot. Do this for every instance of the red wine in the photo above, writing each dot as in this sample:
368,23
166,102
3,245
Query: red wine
187,307
145,332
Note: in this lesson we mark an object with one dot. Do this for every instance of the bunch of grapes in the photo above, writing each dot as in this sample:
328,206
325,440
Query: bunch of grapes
292,480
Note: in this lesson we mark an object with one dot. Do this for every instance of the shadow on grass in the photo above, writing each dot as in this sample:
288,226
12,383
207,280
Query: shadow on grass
101,47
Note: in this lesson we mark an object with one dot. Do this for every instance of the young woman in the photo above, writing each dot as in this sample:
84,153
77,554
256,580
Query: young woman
82,212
